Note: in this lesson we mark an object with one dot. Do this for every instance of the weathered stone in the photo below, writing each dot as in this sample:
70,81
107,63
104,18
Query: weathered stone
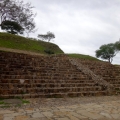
8,118
89,114
1,117
37,115
11,115
77,115
65,109
6,112
39,119
47,114
115,116
65,118
13,101
21,117
106,115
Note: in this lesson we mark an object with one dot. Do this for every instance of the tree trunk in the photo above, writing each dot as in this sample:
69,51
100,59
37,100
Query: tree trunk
109,60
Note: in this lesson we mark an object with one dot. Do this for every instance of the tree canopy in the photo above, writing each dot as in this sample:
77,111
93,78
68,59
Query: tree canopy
47,36
117,45
19,12
107,51
12,27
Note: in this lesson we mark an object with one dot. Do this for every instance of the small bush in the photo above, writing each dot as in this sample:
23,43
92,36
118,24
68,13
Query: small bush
49,52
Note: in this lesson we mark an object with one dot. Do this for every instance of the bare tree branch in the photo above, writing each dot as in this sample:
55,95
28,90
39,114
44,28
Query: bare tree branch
18,11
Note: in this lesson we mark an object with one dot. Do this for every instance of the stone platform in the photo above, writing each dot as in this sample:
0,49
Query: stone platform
82,108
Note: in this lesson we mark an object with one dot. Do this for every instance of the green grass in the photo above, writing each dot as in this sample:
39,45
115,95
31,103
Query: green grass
85,57
7,105
116,65
25,101
1,102
27,44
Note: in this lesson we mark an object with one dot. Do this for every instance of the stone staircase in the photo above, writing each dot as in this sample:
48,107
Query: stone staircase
105,70
97,79
28,76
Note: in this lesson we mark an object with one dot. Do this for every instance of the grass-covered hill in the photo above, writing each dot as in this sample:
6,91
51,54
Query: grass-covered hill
37,46
27,44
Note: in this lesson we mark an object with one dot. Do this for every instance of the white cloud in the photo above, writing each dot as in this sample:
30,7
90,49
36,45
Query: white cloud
79,26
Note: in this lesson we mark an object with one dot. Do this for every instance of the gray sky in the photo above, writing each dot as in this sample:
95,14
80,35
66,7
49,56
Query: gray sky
80,26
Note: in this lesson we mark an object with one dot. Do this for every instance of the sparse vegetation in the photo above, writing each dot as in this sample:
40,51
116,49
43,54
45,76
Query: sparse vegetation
4,104
33,45
25,101
1,102
47,36
86,57
22,43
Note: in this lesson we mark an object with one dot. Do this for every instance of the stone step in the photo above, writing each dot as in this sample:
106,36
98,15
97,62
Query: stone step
68,94
33,77
117,88
40,72
52,85
6,91
46,81
116,85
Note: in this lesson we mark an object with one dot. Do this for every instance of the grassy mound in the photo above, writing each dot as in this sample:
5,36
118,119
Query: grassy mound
32,45
27,44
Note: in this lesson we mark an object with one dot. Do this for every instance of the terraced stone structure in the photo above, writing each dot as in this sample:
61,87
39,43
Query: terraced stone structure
108,72
28,76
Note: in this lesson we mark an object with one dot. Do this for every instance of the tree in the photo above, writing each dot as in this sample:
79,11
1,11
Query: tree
12,27
19,12
117,45
107,51
47,36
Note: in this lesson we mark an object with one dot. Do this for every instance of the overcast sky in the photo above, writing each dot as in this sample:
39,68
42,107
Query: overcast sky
80,26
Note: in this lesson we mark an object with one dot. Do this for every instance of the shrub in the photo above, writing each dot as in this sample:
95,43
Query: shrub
48,51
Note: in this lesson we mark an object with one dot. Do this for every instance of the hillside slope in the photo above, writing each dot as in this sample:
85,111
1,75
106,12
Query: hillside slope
19,44
22,43
81,56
